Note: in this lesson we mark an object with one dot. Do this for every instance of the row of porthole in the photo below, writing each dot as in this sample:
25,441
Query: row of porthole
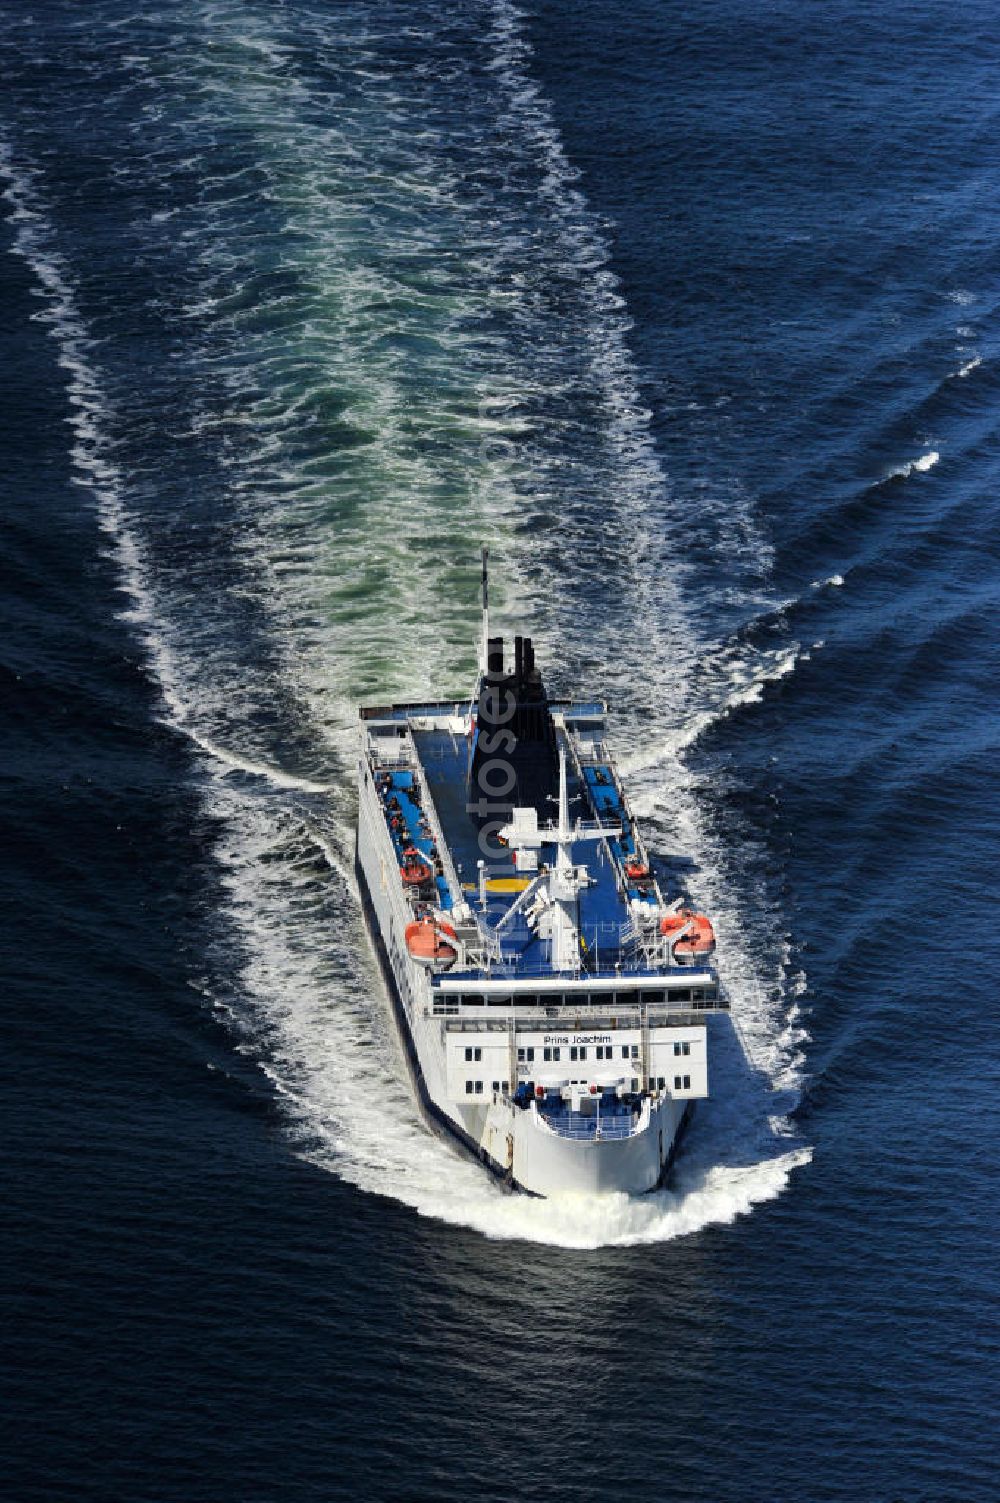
656,1083
608,1001
577,1051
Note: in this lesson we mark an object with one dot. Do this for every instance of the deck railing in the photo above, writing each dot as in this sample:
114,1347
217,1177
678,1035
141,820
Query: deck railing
512,966
431,814
584,1128
583,1020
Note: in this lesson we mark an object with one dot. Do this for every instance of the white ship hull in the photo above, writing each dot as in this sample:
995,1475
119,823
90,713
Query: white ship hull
515,1143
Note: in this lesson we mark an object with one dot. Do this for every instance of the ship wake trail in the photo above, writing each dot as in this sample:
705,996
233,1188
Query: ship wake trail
443,359
99,470
331,1078
95,465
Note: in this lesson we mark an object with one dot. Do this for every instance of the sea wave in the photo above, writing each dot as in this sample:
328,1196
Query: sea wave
399,340
918,466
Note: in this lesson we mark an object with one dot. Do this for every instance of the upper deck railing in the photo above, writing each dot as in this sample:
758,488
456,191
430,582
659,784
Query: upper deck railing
606,1018
588,1129
401,752
598,754
594,709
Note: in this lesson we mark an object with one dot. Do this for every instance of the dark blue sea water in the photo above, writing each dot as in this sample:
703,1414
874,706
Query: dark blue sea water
692,314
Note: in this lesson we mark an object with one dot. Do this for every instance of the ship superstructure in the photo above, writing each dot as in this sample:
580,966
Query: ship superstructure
551,996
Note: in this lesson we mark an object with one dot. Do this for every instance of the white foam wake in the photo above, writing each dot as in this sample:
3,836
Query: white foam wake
331,1052
737,679
92,451
360,491
95,466
329,1046
275,775
914,466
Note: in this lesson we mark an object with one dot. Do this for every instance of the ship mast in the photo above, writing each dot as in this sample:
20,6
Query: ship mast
563,882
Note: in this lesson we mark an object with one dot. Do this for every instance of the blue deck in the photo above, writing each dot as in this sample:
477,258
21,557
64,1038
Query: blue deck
603,911
412,829
610,942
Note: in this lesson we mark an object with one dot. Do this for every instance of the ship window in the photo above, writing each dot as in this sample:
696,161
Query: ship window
650,996
635,1051
652,1082
496,1085
468,1087
583,1052
677,1082
531,1054
697,993
479,1088
506,1087
477,1054
557,1053
682,994
574,1052
685,1048
624,1051
468,1053
635,1085
661,1082
520,1056
687,1082
546,1053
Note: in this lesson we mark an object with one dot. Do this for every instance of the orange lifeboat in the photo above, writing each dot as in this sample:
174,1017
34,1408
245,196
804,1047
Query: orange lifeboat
428,941
695,935
636,871
416,867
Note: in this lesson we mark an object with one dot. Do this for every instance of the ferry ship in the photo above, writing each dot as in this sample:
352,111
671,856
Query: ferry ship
551,996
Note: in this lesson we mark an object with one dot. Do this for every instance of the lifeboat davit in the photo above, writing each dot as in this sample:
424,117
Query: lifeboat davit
416,867
695,935
429,942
